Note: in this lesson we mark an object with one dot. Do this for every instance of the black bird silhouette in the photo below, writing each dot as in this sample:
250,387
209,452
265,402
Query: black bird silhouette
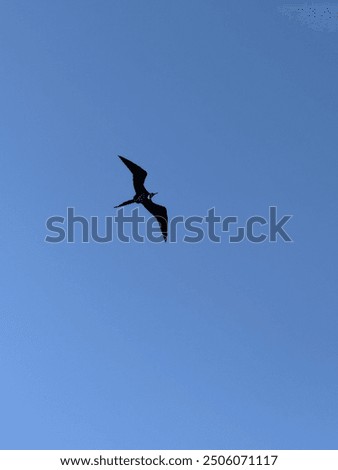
144,197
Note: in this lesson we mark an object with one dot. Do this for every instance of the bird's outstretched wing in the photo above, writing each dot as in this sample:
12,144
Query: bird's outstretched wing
160,213
139,175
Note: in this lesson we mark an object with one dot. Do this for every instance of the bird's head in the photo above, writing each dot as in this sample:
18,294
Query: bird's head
151,195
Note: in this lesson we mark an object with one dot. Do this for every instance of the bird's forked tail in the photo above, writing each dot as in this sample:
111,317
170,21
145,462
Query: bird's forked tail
130,201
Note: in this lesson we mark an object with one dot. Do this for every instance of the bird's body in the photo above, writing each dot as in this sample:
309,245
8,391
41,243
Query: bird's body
144,197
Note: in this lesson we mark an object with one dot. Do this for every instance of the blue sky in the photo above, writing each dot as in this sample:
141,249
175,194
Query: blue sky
229,105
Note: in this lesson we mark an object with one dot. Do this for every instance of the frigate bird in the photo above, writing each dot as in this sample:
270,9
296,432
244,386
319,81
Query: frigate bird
144,197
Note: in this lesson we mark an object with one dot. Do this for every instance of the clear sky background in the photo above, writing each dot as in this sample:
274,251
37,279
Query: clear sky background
227,104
